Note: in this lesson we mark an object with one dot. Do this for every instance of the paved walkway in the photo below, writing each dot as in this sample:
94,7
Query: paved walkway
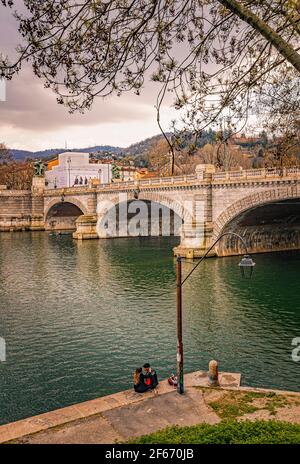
120,416
120,424
126,415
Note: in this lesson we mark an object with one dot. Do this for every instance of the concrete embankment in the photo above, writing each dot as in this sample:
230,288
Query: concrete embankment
127,415
121,415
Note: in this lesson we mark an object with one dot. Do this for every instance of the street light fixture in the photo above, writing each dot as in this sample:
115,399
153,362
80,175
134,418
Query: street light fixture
246,266
69,160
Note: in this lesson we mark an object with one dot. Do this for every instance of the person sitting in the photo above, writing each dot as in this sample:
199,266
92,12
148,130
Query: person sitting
150,377
138,381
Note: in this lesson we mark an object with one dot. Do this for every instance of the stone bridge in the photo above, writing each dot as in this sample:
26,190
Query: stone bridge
260,204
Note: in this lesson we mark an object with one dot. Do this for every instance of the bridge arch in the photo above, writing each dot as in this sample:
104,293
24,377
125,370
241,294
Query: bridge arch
68,199
269,220
62,215
178,207
178,213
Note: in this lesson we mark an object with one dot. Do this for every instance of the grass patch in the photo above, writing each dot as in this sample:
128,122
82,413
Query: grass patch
277,401
227,432
234,404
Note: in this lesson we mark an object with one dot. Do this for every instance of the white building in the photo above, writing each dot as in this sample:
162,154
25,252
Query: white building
74,169
127,173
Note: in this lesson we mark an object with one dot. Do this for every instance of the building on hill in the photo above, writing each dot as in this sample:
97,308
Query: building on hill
72,169
127,173
144,173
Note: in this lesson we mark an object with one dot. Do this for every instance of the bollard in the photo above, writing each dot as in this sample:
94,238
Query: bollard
213,374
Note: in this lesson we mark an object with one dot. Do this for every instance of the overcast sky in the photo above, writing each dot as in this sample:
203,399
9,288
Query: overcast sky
30,119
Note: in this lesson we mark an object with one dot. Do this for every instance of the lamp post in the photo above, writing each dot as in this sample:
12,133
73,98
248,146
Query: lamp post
246,265
69,170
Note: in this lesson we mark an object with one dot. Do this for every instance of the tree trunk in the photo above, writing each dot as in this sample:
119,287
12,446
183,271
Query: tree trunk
284,48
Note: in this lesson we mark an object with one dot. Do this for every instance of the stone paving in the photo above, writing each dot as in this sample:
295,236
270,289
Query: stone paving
106,419
133,420
126,415
198,405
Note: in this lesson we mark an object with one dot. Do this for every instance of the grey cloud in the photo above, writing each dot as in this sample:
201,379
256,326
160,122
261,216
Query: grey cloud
30,106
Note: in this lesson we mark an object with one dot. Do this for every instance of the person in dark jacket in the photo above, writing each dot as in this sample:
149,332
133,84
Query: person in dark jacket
138,381
150,376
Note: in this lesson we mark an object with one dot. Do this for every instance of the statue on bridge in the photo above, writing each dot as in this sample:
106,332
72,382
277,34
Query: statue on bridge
39,168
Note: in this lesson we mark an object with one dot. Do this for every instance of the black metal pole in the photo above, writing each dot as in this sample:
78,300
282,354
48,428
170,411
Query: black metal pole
179,284
180,386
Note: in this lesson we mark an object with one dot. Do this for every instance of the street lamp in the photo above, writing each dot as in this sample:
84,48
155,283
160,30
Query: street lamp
246,266
69,160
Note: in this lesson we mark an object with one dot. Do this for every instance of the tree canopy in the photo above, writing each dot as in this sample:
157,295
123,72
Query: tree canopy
212,55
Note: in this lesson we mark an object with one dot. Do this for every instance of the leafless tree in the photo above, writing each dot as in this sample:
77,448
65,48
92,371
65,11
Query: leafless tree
16,176
5,154
215,56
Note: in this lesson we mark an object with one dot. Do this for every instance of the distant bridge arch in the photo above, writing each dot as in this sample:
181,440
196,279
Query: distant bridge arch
252,201
68,199
159,214
179,208
61,215
267,220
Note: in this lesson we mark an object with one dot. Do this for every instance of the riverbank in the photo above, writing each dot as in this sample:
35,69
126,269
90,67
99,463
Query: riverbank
128,415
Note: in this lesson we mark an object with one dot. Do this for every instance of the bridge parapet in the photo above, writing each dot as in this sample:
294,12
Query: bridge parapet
189,179
264,173
68,190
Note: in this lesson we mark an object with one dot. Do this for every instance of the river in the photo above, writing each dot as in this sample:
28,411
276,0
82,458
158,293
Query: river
78,317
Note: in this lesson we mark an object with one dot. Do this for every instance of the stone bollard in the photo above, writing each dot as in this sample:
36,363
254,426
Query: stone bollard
213,374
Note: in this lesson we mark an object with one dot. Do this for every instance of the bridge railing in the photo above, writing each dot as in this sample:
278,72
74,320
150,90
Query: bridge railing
263,173
189,178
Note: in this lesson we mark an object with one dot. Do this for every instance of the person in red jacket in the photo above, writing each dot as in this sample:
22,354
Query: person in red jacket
150,377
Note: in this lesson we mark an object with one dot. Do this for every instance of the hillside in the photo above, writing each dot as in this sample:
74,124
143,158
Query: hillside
142,148
139,149
21,155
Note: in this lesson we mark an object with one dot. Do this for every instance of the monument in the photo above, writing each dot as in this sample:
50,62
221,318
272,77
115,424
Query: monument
38,181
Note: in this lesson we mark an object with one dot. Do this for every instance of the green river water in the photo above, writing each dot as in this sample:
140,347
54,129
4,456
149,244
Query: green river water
77,318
